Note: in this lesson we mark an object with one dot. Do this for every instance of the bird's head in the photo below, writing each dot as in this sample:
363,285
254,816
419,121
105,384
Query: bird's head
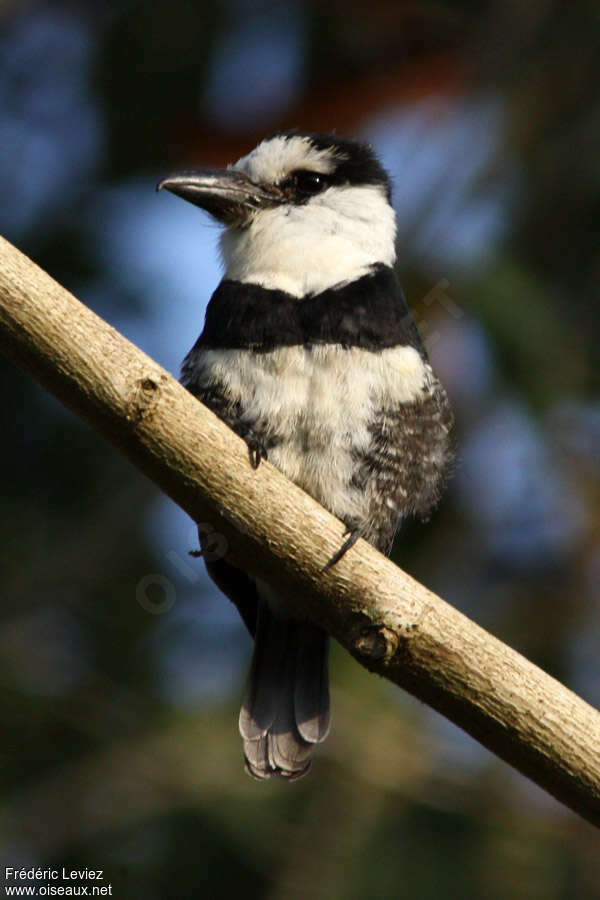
303,212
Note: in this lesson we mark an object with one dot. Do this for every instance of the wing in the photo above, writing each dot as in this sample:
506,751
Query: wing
233,582
240,589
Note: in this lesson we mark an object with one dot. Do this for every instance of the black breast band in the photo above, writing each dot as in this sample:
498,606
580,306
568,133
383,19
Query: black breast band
370,313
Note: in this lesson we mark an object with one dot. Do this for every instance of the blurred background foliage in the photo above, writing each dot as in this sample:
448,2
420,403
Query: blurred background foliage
121,668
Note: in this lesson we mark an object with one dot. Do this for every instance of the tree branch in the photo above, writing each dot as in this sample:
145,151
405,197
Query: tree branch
390,623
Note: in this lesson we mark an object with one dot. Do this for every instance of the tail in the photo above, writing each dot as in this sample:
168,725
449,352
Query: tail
286,707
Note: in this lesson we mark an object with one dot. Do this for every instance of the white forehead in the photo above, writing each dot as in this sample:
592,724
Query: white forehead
276,157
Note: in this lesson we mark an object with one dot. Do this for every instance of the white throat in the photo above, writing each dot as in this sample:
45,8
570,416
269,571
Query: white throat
333,239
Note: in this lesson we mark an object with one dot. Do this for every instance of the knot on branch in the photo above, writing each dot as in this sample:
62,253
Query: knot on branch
144,398
375,642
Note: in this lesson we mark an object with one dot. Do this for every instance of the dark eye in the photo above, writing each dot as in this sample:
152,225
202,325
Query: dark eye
310,182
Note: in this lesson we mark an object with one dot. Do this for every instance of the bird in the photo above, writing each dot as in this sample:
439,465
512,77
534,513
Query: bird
310,353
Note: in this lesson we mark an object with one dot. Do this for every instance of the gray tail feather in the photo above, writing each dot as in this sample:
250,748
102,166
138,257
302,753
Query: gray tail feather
286,706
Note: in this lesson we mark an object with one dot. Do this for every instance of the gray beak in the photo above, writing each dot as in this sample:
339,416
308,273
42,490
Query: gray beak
228,195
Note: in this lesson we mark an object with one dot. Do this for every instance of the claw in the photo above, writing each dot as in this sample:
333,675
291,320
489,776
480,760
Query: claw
257,451
350,541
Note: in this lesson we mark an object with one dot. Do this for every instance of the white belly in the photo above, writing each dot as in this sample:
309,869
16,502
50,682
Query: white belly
319,401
